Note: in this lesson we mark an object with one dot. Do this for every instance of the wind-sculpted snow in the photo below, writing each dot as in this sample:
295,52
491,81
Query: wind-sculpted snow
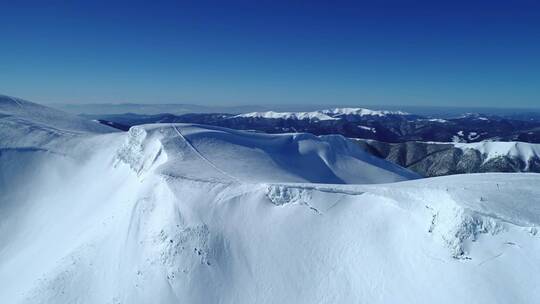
194,214
203,152
141,152
457,226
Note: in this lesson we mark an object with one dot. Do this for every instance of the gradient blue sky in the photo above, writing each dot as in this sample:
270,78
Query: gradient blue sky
261,52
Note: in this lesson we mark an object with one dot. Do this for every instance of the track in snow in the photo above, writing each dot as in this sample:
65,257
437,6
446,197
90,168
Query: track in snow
202,156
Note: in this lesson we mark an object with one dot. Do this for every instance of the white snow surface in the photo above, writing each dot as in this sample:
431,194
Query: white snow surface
330,114
214,153
185,213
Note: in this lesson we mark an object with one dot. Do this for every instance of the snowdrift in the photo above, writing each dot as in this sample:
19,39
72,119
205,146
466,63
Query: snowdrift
195,214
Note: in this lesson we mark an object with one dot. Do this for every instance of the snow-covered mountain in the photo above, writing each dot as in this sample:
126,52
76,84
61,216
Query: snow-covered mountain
330,114
520,150
170,213
436,159
317,115
361,112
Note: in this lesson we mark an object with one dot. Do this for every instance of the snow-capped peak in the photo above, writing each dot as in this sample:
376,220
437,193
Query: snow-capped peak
315,115
328,114
361,112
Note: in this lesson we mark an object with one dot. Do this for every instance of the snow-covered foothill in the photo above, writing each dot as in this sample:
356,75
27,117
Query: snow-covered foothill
494,149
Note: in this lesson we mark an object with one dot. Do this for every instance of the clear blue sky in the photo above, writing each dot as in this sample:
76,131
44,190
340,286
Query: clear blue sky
266,52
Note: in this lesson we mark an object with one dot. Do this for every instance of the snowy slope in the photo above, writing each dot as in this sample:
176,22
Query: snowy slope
194,214
28,125
16,109
493,149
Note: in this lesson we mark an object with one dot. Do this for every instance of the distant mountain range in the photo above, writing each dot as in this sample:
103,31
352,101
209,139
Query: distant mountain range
183,108
386,126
